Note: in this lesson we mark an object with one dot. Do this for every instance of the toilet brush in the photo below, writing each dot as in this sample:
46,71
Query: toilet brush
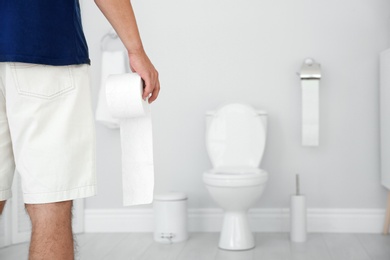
298,226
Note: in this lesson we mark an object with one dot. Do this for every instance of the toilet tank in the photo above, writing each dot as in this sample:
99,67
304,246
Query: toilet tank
236,135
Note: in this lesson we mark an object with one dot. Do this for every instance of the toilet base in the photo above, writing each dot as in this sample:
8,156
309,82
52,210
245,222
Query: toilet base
236,233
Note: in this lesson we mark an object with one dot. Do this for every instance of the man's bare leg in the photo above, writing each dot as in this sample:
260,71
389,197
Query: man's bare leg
2,204
52,236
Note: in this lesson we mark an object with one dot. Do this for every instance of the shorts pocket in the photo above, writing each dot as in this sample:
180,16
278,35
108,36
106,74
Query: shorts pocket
42,81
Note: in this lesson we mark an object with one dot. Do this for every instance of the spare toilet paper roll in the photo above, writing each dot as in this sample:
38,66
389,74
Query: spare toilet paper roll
310,112
124,100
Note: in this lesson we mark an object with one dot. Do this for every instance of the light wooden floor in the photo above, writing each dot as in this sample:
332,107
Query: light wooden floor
204,246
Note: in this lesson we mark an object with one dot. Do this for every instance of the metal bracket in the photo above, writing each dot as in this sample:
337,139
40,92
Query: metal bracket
310,69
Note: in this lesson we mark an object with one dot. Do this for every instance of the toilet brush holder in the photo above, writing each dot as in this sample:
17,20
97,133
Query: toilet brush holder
298,218
298,224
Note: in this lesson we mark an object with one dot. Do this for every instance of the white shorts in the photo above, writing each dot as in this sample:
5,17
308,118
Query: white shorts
47,132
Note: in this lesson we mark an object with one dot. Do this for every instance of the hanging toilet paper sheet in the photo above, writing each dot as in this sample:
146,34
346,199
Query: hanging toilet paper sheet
384,94
124,100
310,112
113,62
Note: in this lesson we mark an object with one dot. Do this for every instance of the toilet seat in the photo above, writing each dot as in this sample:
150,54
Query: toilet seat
235,176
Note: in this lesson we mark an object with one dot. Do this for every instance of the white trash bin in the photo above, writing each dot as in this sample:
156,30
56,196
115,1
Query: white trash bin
170,217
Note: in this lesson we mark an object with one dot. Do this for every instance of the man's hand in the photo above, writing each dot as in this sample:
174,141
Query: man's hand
140,63
121,16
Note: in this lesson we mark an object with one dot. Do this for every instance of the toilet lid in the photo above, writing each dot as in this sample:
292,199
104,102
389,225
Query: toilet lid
236,137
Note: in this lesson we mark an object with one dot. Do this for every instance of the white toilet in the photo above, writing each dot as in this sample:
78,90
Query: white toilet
235,142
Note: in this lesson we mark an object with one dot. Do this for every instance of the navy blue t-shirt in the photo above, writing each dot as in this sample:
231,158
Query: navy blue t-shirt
42,31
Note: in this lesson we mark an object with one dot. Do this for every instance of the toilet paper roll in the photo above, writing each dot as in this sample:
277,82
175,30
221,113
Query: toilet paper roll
310,112
124,100
298,226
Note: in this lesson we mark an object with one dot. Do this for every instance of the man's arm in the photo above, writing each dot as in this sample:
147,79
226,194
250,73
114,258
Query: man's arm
121,16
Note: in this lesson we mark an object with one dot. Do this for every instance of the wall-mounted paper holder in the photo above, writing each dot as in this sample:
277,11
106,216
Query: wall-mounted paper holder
310,76
111,35
310,69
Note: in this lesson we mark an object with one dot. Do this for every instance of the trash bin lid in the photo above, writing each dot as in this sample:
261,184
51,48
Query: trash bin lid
169,196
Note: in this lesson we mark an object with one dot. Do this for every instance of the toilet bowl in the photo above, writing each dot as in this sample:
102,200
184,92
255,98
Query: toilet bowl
235,142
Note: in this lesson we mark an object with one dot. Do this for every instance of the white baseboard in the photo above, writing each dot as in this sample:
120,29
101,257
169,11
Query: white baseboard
261,220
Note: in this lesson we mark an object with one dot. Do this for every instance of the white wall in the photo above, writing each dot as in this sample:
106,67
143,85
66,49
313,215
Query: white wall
212,51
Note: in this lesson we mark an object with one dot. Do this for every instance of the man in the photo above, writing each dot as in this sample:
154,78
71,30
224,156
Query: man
47,126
